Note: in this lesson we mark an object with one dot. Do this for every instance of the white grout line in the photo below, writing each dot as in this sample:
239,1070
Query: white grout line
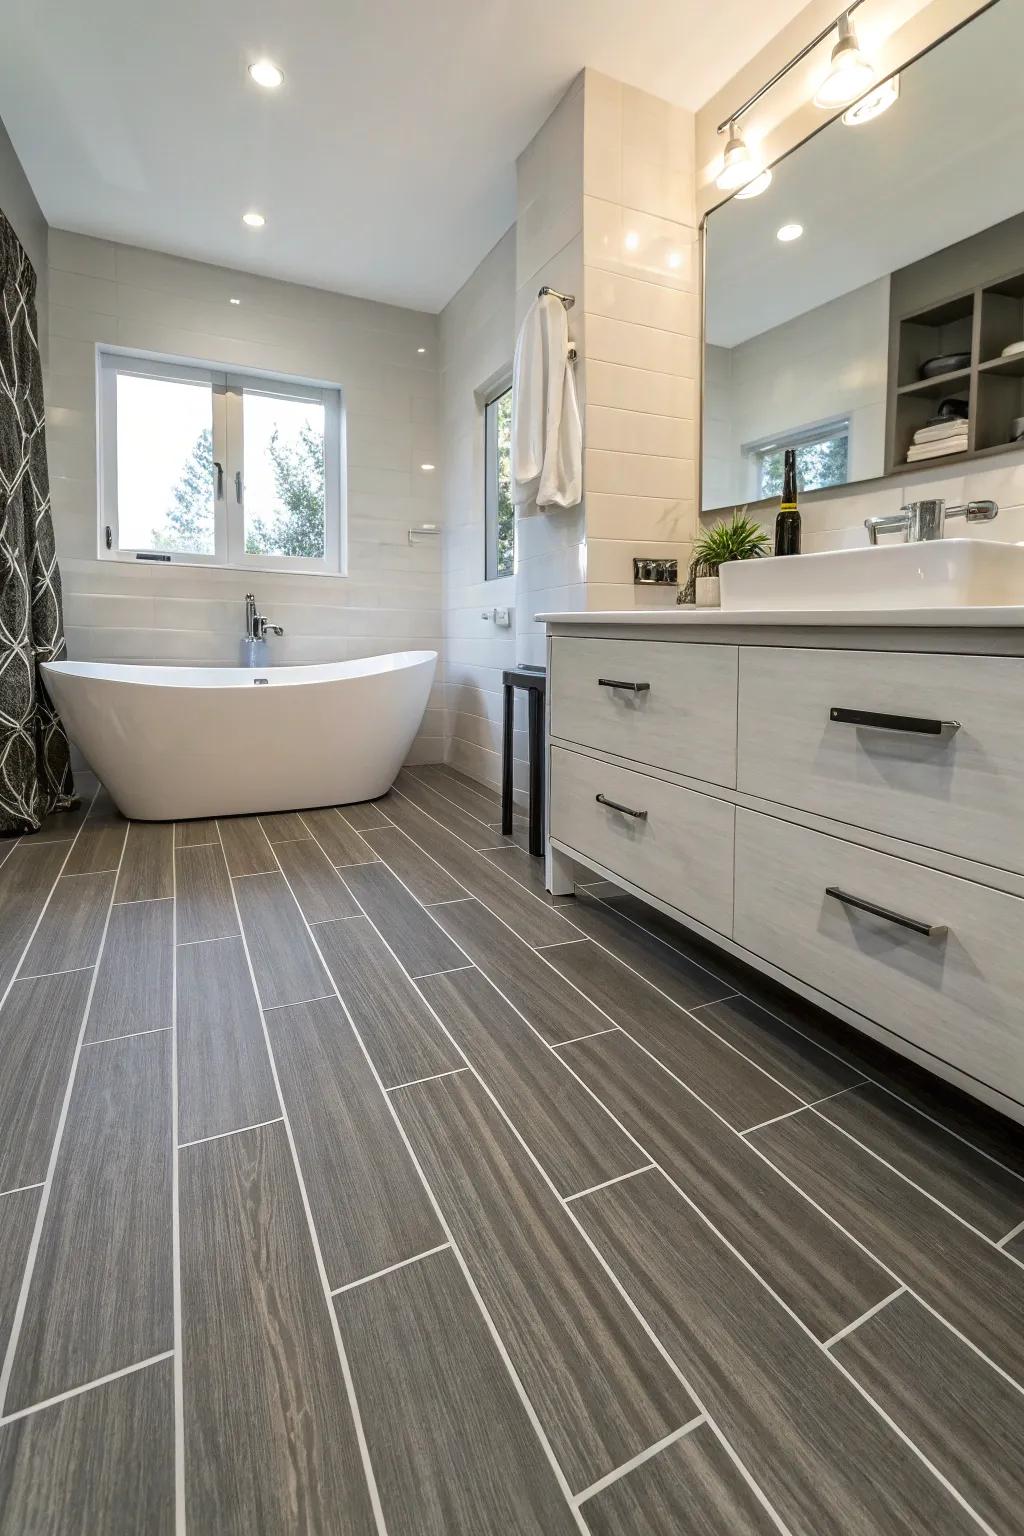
801,1107
638,1461
442,796
390,1269
696,1007
179,1348
796,1030
72,970
871,1312
1013,1232
20,1189
237,1130
44,1198
321,997
184,847
412,1083
87,1386
84,874
606,1183
353,863
449,972
131,1035
611,1030
350,1391
561,944
449,901
220,939
139,901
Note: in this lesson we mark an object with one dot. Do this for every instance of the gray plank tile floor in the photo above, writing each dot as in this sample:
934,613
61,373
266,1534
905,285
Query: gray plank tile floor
318,1213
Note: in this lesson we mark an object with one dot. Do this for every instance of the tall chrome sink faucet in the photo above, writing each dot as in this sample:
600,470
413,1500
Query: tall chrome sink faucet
925,520
257,626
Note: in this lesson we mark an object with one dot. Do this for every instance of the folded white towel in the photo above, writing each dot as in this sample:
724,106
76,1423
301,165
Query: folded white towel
937,450
956,426
547,436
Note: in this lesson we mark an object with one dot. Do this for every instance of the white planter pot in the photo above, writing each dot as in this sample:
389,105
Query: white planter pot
708,592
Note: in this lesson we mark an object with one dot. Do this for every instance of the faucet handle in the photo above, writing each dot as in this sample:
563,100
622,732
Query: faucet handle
975,511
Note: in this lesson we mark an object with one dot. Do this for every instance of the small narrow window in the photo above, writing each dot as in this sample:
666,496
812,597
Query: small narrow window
208,467
822,459
500,513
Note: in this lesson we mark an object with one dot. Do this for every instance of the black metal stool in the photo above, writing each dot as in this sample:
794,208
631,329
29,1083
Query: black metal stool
534,680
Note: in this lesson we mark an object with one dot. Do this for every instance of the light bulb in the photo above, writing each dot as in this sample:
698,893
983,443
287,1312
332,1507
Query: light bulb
264,73
873,104
851,73
759,184
737,166
254,220
789,232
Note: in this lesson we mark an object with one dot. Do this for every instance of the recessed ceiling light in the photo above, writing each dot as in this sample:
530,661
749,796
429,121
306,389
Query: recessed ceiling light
421,350
266,74
427,467
254,220
234,301
873,104
757,186
632,240
789,232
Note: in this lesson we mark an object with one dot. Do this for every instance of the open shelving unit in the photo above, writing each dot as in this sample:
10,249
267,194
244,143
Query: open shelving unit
980,321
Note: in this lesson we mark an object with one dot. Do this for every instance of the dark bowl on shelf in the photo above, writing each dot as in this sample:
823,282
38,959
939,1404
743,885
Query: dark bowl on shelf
948,363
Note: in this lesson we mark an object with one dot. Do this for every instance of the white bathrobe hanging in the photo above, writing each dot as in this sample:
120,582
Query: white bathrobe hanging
547,437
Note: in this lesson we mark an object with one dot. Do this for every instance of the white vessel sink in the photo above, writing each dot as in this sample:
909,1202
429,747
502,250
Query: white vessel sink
944,573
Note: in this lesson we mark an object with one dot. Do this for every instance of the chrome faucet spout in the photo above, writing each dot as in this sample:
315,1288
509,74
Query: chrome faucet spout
257,625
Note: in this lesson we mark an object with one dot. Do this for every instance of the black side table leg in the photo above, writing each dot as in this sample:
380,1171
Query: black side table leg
506,760
536,771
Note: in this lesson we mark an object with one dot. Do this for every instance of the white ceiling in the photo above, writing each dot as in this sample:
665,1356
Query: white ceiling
945,161
384,165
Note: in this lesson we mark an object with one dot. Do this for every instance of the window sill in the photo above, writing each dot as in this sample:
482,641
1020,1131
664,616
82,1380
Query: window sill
211,565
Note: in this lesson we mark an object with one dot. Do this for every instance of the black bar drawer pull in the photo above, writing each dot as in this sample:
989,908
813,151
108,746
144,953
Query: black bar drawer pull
627,810
915,724
611,682
930,930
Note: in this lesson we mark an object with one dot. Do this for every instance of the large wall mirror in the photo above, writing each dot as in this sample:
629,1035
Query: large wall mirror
890,330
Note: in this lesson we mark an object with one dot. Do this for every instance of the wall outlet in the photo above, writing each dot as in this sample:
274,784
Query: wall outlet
502,616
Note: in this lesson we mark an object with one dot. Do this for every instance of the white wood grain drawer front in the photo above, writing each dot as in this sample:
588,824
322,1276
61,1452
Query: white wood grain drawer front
672,706
941,762
679,847
955,991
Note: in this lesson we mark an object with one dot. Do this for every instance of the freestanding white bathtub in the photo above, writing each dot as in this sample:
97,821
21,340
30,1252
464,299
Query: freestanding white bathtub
172,743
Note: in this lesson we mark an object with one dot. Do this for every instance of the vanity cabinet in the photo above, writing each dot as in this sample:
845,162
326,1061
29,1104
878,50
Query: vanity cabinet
847,815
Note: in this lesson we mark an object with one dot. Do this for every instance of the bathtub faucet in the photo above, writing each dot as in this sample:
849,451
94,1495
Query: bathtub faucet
257,626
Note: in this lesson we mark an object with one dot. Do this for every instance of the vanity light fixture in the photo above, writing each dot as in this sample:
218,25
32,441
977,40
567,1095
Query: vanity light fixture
789,232
738,167
254,220
874,103
264,73
850,75
757,186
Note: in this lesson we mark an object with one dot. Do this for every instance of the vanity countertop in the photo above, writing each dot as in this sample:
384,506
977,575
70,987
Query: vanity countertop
981,617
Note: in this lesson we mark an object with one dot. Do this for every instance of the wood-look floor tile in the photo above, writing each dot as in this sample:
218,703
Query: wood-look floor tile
246,847
536,922
284,958
101,1462
971,1283
577,1143
26,879
224,1076
101,1291
692,1486
489,792
599,1387
60,826
193,834
796,1061
39,1027
205,906
475,800
452,1449
136,972
270,1445
17,1223
686,983
316,885
820,1273
519,864
71,928
147,869
981,1191
368,1202
394,1024
365,814
100,843
826,1461
739,1091
965,1417
472,831
552,1006
339,841
411,931
282,825
428,880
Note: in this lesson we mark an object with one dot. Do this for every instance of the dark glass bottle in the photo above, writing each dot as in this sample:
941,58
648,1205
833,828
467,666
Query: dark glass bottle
787,524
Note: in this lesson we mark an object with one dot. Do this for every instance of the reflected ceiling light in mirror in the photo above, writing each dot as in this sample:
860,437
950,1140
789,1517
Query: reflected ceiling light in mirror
254,220
264,73
850,74
789,232
873,104
759,184
737,166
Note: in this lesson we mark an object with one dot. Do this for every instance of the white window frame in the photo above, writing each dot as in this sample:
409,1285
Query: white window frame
228,388
489,396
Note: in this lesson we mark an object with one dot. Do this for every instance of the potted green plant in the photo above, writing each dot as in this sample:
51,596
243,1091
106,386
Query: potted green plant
739,539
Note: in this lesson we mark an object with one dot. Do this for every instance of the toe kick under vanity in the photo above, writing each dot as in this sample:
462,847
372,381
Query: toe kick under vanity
838,802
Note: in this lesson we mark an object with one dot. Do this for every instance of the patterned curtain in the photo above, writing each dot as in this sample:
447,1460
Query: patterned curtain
35,769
